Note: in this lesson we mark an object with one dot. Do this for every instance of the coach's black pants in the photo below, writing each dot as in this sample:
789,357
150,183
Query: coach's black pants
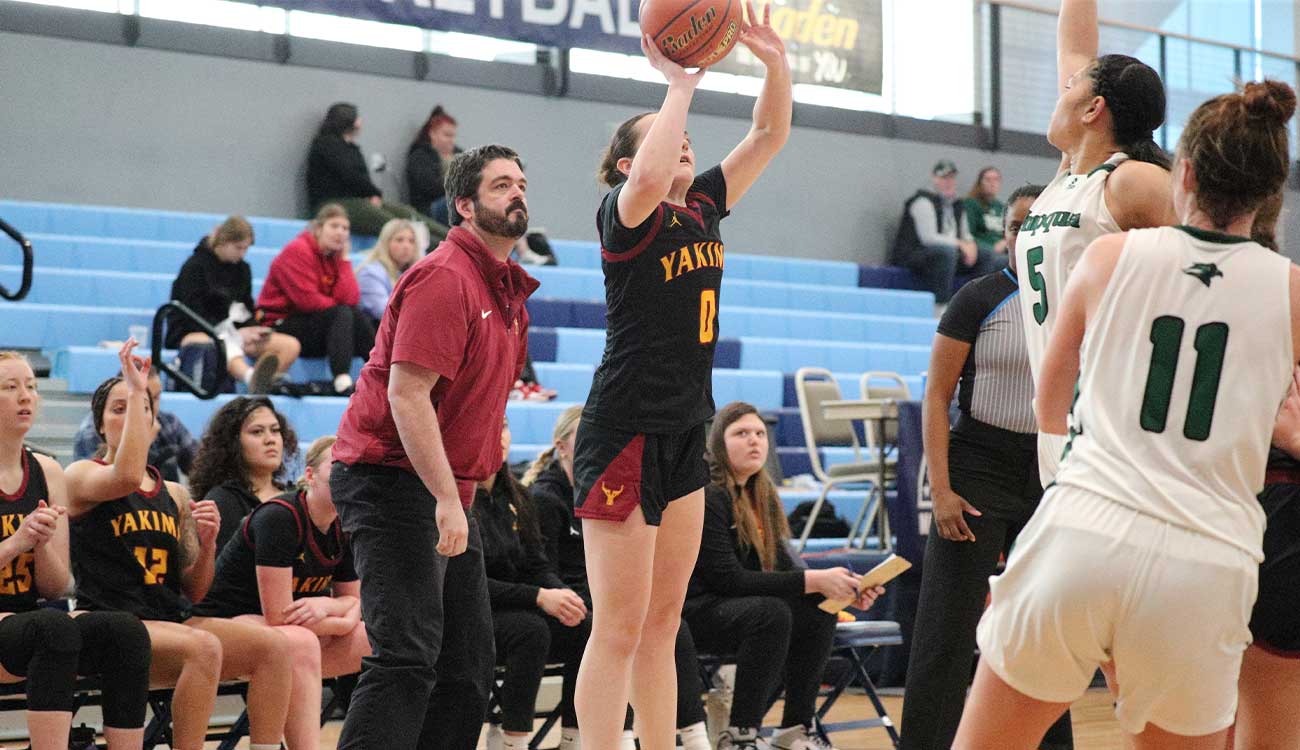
339,333
775,641
51,648
427,683
997,472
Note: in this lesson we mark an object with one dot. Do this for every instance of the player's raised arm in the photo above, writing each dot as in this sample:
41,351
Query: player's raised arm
773,111
1076,38
656,160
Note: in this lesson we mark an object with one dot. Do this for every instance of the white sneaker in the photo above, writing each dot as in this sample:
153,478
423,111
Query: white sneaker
734,738
799,737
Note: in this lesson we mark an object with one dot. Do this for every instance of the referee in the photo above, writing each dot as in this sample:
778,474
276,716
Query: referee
984,481
423,428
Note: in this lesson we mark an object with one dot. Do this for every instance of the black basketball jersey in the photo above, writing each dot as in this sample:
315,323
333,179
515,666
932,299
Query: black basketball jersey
126,555
662,285
18,577
278,533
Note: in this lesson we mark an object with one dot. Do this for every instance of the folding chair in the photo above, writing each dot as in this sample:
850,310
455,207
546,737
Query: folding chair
813,386
549,718
856,642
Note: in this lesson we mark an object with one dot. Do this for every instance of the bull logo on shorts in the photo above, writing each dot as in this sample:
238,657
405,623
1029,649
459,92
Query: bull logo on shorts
611,495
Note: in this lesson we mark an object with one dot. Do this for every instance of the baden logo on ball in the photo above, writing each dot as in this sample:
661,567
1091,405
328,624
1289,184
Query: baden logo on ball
692,33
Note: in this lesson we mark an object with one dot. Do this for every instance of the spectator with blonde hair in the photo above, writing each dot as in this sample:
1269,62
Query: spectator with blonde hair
397,250
217,284
291,567
311,294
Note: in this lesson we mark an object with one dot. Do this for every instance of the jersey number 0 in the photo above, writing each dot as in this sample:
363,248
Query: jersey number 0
708,316
1166,341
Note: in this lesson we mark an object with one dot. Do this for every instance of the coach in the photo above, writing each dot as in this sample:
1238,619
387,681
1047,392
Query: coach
422,429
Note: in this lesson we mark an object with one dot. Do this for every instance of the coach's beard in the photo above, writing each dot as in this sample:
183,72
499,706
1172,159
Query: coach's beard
501,224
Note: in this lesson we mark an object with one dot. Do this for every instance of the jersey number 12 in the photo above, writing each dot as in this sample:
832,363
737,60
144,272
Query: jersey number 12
1167,339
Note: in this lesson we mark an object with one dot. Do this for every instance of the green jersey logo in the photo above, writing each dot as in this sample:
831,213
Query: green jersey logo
1203,271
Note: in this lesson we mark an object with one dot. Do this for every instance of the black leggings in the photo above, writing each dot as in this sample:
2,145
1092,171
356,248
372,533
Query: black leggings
997,474
526,641
340,333
774,641
50,649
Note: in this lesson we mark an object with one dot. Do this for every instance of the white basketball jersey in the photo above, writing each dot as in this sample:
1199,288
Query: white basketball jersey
1069,214
1183,368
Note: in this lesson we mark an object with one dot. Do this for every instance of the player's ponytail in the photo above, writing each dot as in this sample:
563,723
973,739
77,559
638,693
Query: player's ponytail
1135,96
622,146
1238,150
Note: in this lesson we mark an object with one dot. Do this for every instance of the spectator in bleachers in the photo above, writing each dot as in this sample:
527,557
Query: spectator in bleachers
141,545
311,294
217,284
549,481
750,596
172,449
291,567
984,482
46,646
536,618
396,251
984,213
241,460
933,239
337,173
426,164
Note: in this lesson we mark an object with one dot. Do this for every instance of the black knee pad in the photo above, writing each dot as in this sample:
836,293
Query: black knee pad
42,645
116,648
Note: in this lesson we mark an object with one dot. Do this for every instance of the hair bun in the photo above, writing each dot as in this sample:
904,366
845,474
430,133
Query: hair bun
1270,100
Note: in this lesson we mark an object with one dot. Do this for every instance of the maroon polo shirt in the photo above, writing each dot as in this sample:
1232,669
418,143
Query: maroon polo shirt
459,312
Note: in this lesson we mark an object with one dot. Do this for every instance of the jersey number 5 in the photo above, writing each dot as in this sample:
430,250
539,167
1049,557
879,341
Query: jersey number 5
1035,257
1167,339
154,562
708,316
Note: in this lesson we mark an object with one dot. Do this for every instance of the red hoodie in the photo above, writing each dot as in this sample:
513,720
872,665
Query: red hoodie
302,280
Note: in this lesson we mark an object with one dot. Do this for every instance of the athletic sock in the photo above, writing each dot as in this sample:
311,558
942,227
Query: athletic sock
695,737
515,742
342,382
570,739
628,742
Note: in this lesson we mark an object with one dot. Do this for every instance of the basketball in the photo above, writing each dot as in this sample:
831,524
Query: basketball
692,33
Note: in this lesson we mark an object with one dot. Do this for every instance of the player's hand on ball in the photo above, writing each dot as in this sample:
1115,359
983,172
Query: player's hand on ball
453,527
675,73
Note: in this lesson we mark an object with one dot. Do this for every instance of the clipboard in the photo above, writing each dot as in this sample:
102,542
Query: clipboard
892,567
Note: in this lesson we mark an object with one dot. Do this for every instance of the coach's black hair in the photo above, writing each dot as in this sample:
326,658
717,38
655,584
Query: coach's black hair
466,173
339,119
1135,96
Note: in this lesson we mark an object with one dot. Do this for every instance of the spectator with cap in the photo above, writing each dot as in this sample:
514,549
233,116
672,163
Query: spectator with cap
933,239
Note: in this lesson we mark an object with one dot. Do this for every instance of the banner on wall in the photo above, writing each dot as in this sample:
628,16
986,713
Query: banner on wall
831,42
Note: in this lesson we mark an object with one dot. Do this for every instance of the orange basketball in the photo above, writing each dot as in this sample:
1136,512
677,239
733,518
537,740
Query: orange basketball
692,33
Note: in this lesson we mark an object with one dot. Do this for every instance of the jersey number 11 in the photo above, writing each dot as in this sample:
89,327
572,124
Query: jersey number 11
1167,339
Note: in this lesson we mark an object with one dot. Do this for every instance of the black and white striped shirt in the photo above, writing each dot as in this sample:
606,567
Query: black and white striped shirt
996,385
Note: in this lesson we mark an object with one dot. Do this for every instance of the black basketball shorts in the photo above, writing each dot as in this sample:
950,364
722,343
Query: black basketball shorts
1275,620
616,471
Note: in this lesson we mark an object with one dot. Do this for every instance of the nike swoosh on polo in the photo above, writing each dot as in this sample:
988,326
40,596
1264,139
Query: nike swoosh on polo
486,313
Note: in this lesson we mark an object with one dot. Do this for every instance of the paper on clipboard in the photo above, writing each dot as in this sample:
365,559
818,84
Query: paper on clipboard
891,568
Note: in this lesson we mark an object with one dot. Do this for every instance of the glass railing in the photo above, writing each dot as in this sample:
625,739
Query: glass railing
1019,67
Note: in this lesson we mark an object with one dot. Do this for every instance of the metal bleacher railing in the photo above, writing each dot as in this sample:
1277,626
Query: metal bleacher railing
25,285
1018,40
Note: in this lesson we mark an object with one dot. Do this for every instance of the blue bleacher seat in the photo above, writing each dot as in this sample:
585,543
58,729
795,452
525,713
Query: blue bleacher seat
789,355
104,221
